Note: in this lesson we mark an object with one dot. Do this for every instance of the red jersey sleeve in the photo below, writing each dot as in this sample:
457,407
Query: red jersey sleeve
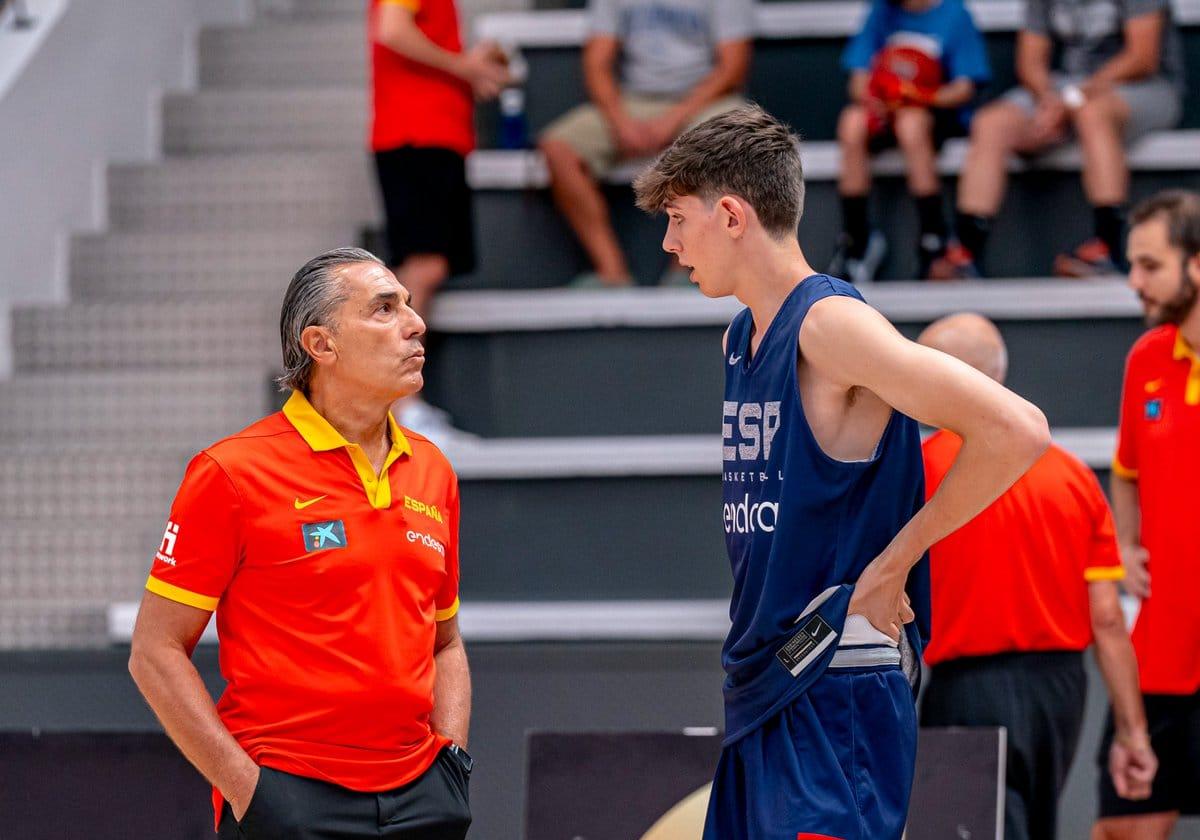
446,602
1104,558
1125,461
201,545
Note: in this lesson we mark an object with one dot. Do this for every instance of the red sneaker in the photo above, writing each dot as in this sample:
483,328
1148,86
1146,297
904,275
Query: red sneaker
1091,259
957,263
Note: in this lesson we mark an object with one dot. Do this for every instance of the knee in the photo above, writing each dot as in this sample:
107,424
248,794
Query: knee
852,127
558,153
1096,118
995,127
914,129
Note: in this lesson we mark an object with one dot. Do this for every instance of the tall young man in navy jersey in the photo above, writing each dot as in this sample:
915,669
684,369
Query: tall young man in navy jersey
823,496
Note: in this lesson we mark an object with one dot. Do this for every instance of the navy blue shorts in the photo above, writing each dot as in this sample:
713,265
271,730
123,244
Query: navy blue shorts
837,763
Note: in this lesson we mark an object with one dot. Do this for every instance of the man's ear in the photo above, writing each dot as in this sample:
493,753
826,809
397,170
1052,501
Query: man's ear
734,215
319,343
1192,266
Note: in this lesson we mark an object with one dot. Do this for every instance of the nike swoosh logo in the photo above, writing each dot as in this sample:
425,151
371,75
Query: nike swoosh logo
1153,386
302,505
733,360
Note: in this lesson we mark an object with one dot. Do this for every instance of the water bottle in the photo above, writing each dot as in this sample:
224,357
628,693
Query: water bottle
514,128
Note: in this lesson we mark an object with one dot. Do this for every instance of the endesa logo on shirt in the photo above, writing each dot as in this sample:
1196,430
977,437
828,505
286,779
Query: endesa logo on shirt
427,541
750,517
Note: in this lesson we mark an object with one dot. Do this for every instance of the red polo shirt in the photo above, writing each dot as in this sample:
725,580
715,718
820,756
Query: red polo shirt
414,104
1014,578
1158,446
328,582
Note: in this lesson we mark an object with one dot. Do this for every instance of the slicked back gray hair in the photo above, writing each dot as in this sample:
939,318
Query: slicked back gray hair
312,296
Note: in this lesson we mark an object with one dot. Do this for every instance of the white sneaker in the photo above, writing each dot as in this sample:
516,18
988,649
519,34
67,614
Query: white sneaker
433,423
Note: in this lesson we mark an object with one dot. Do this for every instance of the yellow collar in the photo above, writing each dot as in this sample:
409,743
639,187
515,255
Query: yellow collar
1183,350
321,436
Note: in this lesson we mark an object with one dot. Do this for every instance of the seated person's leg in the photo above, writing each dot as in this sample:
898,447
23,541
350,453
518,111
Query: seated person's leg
579,148
852,260
914,128
998,130
1105,124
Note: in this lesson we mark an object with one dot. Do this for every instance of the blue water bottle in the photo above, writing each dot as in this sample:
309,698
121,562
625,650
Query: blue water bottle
514,127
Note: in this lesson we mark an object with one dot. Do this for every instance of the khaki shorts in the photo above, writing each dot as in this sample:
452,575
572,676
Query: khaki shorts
585,129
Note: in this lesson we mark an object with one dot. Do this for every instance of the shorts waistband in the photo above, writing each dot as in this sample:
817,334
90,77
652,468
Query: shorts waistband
865,657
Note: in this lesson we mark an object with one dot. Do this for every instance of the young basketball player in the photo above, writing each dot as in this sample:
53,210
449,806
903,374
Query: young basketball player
823,496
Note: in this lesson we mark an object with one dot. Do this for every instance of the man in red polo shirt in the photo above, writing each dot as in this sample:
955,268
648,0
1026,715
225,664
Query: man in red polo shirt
1156,502
1018,593
422,129
325,538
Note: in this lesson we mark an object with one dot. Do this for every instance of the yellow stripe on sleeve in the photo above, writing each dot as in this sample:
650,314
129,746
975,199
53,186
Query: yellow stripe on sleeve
448,613
1099,573
411,5
1124,471
182,596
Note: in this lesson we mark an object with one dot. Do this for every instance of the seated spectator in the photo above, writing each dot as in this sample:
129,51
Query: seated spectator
422,128
1106,71
681,62
914,69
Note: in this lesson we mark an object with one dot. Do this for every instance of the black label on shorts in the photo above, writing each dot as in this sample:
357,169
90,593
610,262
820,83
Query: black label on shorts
798,648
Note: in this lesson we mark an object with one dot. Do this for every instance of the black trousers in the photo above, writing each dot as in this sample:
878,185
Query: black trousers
287,807
1039,698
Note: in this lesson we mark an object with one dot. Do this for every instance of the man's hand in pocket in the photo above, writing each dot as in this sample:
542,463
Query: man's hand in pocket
239,798
879,597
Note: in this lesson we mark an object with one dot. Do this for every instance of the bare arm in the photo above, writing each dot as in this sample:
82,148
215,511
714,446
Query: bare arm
160,663
1033,63
452,686
728,74
1131,759
857,86
956,93
1140,56
599,78
483,68
1127,515
1002,433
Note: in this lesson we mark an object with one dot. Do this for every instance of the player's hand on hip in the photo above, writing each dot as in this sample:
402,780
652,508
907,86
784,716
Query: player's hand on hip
1132,765
1136,561
880,598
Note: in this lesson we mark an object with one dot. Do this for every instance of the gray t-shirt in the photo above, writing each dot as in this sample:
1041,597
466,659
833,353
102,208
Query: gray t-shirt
1090,32
667,46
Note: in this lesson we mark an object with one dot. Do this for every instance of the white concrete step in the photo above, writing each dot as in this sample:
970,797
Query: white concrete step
286,119
234,332
74,479
54,558
313,52
185,408
41,624
267,192
190,264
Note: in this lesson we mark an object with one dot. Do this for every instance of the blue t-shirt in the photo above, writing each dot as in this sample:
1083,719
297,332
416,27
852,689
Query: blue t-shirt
949,25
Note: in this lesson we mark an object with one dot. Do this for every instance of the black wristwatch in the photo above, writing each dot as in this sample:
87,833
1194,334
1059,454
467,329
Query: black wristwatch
463,757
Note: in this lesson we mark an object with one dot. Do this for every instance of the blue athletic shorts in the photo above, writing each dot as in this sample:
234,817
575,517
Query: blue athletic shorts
837,763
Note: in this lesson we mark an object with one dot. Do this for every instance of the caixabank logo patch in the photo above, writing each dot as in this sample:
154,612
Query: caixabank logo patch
319,536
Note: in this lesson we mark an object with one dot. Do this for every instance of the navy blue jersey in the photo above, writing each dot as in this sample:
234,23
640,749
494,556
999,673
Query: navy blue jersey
800,526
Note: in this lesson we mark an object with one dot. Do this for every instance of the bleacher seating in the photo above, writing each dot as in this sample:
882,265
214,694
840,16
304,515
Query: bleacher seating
169,339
